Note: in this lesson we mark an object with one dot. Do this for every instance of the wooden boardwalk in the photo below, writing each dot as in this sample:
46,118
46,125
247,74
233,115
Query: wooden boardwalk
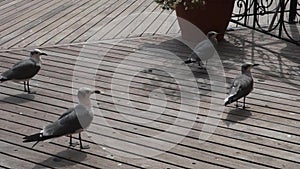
93,42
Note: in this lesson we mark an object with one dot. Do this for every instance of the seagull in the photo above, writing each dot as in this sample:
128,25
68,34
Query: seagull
205,49
241,85
24,70
73,121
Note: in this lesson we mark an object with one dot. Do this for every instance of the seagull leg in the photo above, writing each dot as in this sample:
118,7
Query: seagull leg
72,144
25,89
28,89
237,104
244,103
82,147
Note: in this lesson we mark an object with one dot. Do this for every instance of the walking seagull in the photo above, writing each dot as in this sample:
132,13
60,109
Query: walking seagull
24,70
73,121
241,85
205,49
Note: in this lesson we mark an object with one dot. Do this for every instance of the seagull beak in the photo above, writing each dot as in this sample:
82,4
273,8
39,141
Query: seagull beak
255,64
44,54
98,92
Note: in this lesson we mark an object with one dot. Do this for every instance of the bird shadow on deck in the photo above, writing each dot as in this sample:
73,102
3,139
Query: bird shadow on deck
18,99
56,162
236,115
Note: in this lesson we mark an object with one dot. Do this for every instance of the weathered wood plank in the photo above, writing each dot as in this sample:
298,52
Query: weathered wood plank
88,22
36,16
78,22
35,33
53,27
124,21
7,8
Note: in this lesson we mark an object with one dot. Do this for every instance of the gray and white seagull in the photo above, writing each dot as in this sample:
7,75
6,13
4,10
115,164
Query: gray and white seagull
24,70
204,50
241,85
73,121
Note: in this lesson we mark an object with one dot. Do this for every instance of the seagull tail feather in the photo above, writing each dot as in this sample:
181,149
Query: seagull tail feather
36,137
228,100
3,79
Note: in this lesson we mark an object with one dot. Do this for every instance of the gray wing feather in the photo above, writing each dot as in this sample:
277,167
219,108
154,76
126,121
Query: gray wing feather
203,51
241,87
24,69
70,110
71,121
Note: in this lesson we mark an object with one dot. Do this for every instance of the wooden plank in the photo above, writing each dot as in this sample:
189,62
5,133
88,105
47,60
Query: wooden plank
157,23
77,22
109,18
9,161
7,7
62,25
53,27
101,20
124,22
55,14
150,17
174,29
89,23
164,28
11,29
135,20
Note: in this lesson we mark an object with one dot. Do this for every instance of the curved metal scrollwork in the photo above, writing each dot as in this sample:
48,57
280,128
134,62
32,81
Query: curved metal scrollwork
279,18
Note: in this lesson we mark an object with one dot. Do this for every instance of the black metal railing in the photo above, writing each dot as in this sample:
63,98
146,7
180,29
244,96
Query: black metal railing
278,18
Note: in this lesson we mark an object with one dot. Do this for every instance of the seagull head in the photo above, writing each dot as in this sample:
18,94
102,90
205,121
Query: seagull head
84,94
36,54
246,67
212,36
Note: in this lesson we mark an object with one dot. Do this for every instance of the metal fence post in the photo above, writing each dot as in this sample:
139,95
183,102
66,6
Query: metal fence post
293,12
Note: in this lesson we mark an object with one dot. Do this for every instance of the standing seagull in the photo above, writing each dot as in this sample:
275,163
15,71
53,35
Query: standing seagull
241,85
73,121
24,70
205,49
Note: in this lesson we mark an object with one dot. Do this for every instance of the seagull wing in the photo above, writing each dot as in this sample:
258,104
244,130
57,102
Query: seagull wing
235,87
24,69
69,122
70,110
240,87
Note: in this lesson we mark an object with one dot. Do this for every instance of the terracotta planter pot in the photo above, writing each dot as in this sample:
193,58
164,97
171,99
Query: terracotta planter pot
214,16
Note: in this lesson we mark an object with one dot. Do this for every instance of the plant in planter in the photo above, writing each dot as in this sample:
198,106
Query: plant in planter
171,4
207,15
